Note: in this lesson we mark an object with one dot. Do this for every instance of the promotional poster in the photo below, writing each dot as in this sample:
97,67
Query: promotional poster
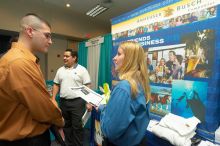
181,42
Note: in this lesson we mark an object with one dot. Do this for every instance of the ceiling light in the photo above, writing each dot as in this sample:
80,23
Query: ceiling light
98,9
67,5
99,12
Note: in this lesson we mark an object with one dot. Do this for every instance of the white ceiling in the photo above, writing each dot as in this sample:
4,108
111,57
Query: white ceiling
73,21
116,7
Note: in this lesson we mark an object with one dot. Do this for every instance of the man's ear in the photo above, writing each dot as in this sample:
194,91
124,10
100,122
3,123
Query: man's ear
74,58
29,31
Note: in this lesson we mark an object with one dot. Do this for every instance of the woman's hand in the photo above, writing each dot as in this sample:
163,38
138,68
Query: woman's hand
89,107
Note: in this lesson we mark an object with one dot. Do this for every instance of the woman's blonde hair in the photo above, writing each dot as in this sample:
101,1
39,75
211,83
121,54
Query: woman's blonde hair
134,68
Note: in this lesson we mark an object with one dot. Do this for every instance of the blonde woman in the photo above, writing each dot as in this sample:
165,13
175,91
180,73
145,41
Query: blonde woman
125,118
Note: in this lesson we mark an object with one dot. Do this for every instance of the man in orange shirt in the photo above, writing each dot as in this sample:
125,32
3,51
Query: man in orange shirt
27,111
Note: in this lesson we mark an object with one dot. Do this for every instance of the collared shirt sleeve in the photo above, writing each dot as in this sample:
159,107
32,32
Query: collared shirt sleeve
27,84
117,115
86,77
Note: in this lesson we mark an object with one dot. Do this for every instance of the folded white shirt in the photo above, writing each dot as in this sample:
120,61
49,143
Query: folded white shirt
172,136
207,143
151,124
179,124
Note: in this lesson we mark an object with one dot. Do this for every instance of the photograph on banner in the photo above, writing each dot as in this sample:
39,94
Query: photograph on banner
166,63
189,98
199,53
160,101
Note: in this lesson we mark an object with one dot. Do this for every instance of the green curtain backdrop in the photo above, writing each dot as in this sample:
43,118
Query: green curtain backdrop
105,61
82,54
104,74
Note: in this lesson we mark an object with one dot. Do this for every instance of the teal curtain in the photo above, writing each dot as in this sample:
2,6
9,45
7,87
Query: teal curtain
82,54
105,61
104,75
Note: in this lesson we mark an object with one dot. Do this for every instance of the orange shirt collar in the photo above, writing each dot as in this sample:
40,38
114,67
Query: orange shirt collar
26,51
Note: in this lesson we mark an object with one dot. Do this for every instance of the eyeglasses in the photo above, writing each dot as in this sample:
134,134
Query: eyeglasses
46,34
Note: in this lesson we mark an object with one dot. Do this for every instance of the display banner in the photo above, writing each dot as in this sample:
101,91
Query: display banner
181,39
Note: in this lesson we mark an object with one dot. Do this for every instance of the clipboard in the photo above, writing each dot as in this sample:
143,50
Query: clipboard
88,95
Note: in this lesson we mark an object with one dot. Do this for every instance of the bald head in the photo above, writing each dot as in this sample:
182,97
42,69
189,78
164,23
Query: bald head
33,20
35,33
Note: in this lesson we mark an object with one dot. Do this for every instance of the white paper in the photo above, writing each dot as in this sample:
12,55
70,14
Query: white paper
86,117
88,95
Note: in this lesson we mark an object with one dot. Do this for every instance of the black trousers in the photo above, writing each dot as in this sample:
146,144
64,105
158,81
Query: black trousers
72,111
108,143
40,140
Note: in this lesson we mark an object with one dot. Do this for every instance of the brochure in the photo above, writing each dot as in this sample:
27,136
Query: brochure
88,95
86,117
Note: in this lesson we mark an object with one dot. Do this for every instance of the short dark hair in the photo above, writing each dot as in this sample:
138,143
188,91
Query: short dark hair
174,53
179,58
40,18
73,53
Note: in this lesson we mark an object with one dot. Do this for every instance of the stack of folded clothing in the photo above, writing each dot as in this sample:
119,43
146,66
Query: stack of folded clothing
217,136
207,143
177,130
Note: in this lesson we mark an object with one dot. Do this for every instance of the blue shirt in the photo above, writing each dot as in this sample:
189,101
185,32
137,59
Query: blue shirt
124,119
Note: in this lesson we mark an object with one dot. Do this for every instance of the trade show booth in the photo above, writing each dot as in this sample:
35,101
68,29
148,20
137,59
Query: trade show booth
181,42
